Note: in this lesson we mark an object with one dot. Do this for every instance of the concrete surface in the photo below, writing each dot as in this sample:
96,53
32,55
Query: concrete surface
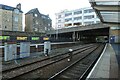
106,66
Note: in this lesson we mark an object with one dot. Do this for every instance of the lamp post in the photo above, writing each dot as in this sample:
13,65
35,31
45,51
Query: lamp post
57,34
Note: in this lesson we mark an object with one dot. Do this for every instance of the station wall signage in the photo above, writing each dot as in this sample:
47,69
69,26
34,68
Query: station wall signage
4,37
21,38
35,38
45,38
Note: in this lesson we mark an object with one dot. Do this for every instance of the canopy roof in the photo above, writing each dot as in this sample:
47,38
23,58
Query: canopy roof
107,10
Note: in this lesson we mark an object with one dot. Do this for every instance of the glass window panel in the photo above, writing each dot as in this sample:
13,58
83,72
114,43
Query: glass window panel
16,18
107,3
110,16
68,14
68,19
59,21
77,12
88,11
16,11
77,18
89,17
59,16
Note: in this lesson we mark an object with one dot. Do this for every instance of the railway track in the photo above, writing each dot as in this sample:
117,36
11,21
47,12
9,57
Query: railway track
22,70
80,68
34,62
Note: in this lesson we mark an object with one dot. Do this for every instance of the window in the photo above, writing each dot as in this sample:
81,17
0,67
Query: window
16,18
48,29
97,21
67,20
48,24
89,17
88,11
77,12
45,28
66,25
36,15
5,27
8,20
59,21
68,14
90,22
77,24
48,18
35,29
43,17
59,16
16,11
77,18
59,26
15,28
36,22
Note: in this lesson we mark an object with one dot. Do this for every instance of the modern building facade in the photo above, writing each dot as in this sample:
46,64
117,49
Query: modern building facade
78,17
10,18
37,22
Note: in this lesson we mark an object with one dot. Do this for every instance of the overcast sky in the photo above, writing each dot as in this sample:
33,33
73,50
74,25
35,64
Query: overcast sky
48,6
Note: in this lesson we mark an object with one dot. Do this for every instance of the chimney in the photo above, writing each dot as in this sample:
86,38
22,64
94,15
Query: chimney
18,6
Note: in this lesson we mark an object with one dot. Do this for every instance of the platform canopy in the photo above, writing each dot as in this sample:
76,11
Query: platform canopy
107,10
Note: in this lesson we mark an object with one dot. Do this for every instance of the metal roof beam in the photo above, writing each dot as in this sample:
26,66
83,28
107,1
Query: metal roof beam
107,8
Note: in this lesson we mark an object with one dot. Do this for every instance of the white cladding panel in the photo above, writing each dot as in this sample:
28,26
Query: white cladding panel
47,45
24,49
10,52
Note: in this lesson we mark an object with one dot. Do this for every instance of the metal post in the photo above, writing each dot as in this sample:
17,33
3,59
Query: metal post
70,54
77,36
57,34
73,36
36,48
47,48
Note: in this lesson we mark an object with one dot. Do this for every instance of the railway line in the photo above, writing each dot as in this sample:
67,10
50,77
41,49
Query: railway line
80,68
27,69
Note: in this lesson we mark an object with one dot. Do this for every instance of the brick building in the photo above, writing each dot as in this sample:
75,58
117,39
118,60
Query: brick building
10,18
37,22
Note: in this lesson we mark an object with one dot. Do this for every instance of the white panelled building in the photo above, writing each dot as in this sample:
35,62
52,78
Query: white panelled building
78,17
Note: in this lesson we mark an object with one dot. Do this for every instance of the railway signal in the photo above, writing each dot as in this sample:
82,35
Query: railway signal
70,55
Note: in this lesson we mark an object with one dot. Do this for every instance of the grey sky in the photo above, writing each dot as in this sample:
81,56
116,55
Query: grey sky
48,6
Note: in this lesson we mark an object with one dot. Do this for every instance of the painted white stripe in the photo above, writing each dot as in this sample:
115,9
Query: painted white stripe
43,44
1,46
96,63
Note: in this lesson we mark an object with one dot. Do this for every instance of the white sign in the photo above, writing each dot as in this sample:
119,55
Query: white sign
24,49
47,45
10,52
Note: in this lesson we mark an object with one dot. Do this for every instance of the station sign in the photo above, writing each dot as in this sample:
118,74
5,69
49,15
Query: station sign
4,37
35,38
21,38
45,38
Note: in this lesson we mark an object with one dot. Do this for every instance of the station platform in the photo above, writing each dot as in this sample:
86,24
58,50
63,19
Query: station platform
107,66
35,57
